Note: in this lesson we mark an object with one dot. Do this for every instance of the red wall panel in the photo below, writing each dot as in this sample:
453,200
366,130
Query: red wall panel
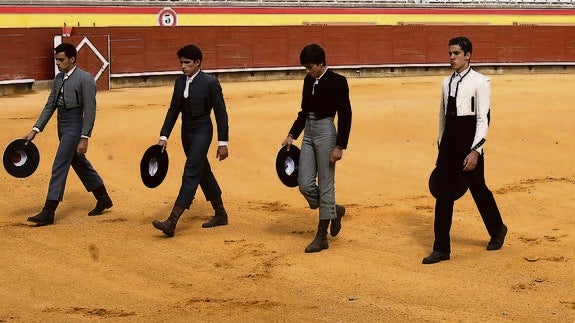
27,53
153,49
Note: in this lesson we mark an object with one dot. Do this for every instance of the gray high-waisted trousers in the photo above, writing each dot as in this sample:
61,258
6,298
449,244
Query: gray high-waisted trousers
316,172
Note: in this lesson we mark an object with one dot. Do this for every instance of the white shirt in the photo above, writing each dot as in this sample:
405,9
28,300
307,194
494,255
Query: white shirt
473,98
189,80
317,81
455,81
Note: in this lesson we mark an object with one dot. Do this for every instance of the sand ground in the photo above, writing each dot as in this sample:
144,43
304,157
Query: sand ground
117,267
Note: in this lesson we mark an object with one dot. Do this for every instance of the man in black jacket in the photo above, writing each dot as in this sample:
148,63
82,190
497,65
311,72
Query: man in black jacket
325,94
195,94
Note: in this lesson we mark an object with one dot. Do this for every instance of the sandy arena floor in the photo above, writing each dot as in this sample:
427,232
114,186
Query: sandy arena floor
118,268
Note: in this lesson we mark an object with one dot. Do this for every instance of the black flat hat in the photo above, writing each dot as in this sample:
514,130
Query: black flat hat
21,159
447,185
154,166
287,165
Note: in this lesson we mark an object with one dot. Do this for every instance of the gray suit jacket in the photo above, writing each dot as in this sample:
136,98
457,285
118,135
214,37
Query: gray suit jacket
79,92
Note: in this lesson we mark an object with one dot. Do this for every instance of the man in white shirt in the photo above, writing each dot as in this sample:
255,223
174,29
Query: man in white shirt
463,123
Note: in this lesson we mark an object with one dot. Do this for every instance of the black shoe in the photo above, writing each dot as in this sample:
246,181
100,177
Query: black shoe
101,205
42,218
318,244
215,221
435,257
335,225
497,240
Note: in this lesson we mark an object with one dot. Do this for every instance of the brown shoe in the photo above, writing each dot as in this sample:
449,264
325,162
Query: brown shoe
220,215
168,227
320,241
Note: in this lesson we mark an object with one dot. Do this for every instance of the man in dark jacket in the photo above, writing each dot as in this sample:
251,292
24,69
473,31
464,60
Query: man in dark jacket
325,94
195,95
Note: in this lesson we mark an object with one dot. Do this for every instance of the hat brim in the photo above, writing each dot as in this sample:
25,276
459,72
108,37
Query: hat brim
287,165
447,185
21,159
154,166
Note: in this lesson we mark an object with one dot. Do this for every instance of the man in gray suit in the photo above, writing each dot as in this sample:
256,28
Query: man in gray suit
73,95
195,94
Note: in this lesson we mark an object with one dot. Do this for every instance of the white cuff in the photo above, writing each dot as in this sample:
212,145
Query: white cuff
36,129
222,143
163,138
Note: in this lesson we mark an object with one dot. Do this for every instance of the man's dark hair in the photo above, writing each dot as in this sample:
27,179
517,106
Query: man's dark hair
66,48
190,52
312,54
463,42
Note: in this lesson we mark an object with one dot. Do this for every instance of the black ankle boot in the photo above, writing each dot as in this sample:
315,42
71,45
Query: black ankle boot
220,217
103,201
335,226
46,216
320,241
168,227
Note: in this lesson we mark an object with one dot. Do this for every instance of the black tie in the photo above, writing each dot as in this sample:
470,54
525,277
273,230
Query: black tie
60,96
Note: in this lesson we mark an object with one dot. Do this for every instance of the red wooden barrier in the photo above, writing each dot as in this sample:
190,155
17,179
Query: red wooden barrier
27,53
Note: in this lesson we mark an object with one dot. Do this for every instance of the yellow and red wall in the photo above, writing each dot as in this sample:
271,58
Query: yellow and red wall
144,39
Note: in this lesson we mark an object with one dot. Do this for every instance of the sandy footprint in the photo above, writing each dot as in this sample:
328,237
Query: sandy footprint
275,206
529,240
548,258
95,312
229,303
254,260
527,184
521,287
570,305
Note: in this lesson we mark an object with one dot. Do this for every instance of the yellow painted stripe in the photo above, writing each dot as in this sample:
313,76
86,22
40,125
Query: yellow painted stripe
274,20
135,20
83,20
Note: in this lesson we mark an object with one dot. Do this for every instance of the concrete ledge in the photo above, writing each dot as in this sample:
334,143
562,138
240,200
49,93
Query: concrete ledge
351,71
150,79
13,87
166,78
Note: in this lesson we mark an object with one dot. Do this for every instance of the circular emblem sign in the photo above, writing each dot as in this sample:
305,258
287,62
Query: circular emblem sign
167,17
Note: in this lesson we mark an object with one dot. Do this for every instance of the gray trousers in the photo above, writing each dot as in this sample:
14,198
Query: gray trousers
69,130
316,174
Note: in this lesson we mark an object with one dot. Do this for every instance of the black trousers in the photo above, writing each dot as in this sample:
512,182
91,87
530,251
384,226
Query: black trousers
485,204
197,133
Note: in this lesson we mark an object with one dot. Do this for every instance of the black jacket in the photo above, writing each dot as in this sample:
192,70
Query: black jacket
205,93
331,96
